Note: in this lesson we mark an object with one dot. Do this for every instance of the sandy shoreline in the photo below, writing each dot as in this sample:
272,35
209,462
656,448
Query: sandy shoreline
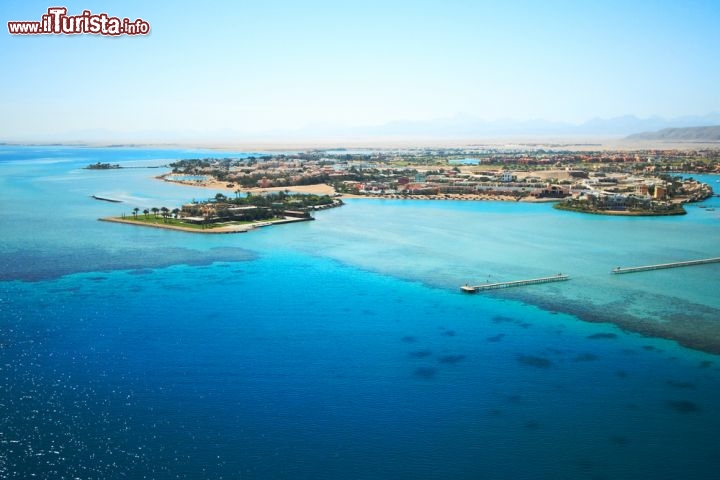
316,189
216,230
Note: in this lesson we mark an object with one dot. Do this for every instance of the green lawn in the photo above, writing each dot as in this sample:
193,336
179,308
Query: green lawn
152,220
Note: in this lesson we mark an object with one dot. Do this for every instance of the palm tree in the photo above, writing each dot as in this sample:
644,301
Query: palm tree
135,211
176,212
146,212
165,212
155,211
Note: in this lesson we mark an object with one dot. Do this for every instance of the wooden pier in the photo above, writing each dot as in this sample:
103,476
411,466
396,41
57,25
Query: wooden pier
661,266
517,283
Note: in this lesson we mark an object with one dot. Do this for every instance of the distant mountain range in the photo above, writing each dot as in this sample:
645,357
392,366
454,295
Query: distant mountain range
466,126
458,127
688,134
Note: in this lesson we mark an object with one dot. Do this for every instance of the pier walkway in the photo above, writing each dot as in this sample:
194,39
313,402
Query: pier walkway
517,283
661,266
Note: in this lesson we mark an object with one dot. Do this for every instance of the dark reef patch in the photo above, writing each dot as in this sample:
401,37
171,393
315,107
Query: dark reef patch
34,265
531,425
409,339
682,406
420,354
515,399
621,374
676,384
602,336
585,357
496,338
705,364
618,440
505,319
586,465
534,361
502,319
425,372
692,325
555,351
451,359
449,333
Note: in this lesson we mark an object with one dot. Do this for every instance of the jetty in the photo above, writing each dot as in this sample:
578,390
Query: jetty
661,266
516,283
105,199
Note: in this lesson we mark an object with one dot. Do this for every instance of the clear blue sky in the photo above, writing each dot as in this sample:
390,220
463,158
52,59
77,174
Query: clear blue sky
252,66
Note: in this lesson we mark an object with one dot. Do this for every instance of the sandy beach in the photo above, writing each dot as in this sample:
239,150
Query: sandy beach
215,230
317,189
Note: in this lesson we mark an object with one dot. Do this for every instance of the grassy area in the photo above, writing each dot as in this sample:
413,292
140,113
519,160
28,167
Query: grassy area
151,220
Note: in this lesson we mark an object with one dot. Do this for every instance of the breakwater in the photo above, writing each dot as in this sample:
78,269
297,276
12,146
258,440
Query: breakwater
661,266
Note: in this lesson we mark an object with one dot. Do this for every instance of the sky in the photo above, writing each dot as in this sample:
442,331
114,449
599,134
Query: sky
271,66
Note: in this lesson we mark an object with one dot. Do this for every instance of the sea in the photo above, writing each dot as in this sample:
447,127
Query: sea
343,348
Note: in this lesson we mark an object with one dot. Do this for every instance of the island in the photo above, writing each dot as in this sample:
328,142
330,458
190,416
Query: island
644,196
103,166
223,214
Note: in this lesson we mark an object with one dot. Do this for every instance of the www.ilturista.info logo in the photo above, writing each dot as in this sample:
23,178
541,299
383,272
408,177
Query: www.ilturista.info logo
57,22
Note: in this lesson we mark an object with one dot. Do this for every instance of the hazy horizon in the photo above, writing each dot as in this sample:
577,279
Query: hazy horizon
363,69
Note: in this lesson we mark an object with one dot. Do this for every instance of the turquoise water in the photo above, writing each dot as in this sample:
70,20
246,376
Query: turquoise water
464,161
342,348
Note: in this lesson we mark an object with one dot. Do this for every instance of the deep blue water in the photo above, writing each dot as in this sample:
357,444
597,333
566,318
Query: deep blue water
322,350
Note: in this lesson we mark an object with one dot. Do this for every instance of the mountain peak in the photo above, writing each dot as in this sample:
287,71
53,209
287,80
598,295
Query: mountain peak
709,133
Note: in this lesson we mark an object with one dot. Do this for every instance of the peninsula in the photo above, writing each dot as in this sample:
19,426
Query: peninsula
222,214
602,182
